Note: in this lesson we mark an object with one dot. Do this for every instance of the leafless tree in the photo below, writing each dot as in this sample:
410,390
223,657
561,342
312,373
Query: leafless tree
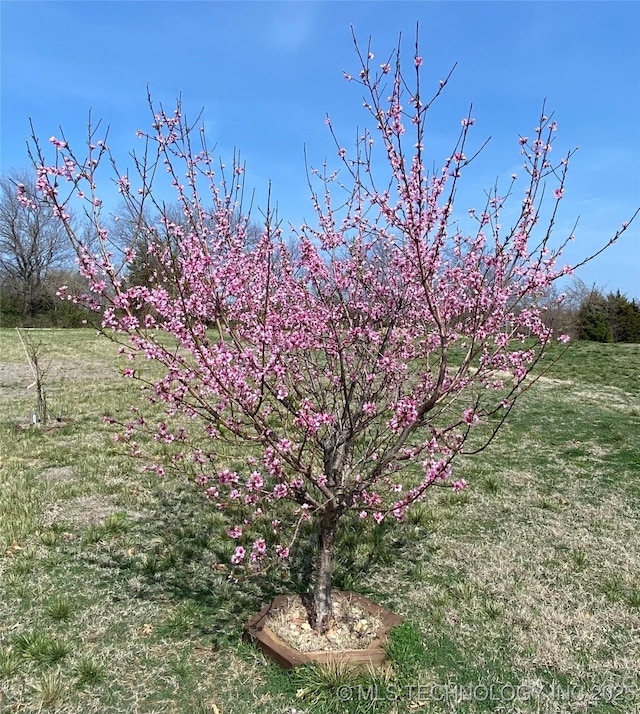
34,348
132,225
33,243
562,306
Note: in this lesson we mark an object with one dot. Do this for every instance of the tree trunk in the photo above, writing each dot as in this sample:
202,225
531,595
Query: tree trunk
322,603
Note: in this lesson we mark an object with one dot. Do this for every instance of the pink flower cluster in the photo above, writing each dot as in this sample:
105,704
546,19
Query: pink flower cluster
303,374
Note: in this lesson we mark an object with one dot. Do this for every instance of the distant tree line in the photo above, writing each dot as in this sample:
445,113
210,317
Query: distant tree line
36,259
610,318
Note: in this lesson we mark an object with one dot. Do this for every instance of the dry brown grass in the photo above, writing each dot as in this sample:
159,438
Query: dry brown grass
529,578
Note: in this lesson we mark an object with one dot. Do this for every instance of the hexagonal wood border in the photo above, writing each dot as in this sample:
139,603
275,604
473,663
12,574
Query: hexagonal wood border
286,656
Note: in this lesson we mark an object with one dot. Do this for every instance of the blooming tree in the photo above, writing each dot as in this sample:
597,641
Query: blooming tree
346,366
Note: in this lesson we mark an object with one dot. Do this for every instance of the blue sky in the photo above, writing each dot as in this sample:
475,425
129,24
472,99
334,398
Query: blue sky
267,73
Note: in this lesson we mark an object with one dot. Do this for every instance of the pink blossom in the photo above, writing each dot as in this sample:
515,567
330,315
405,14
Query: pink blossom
459,485
417,61
405,414
280,490
470,416
238,556
234,531
255,481
123,184
558,193
226,477
259,546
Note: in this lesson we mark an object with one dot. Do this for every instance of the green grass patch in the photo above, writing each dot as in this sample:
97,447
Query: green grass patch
115,592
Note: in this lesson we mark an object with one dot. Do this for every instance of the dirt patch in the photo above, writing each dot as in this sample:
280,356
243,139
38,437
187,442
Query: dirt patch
15,377
81,511
58,474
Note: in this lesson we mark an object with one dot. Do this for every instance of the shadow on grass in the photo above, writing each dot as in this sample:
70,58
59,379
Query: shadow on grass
180,555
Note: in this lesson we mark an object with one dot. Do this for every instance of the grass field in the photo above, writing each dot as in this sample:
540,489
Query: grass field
521,594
